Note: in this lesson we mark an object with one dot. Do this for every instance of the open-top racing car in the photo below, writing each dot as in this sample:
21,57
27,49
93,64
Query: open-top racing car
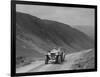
55,56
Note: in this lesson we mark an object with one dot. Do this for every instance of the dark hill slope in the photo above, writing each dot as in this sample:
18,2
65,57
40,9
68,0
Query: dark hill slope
41,35
89,30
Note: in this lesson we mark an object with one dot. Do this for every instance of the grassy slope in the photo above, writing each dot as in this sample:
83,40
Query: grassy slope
85,62
89,30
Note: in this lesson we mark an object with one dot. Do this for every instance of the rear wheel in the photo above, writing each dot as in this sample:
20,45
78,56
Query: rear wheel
63,57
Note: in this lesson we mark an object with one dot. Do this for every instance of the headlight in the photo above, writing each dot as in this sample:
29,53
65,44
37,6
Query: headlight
48,53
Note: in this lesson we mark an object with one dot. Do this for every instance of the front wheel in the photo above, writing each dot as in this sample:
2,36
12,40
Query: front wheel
59,59
46,59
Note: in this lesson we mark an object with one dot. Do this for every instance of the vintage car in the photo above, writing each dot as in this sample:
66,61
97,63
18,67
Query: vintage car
55,56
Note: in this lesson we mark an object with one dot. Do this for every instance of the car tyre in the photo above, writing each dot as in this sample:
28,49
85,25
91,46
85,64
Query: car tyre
46,59
59,59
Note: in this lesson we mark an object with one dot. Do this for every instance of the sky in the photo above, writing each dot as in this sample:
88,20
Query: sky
68,15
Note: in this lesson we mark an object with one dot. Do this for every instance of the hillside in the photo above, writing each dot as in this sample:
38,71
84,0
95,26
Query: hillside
88,30
35,36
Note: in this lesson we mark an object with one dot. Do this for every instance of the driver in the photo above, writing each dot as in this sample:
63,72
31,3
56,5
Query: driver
54,50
